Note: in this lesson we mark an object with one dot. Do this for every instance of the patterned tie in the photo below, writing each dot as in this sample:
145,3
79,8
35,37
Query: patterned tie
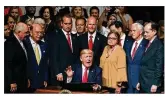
37,54
69,40
134,50
85,76
90,43
148,46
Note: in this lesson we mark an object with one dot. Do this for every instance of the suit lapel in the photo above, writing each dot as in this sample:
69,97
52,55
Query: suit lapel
90,75
139,49
96,42
148,53
85,40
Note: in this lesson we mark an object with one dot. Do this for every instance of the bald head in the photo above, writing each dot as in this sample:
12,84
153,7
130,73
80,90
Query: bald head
91,24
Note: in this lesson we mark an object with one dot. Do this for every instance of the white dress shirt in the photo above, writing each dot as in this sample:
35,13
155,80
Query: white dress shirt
94,35
83,70
65,33
34,45
139,41
123,40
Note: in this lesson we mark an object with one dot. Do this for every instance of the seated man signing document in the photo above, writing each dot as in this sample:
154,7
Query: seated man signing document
85,72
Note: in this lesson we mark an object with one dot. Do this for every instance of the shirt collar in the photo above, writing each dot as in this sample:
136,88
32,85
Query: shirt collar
32,41
94,34
152,39
139,41
17,38
65,32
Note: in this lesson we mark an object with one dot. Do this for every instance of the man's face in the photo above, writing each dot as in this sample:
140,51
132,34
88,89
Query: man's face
23,33
31,10
80,26
66,24
86,60
95,13
78,11
6,30
135,32
36,33
148,32
91,25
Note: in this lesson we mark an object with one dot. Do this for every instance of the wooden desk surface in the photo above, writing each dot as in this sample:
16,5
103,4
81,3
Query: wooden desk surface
56,90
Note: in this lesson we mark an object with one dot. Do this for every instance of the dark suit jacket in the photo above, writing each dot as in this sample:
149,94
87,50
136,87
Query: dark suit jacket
94,75
37,73
15,65
133,65
98,47
60,55
152,66
128,40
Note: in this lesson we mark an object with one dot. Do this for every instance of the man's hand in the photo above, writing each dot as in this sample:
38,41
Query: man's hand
118,90
60,77
13,87
153,88
45,84
96,87
69,71
28,83
138,86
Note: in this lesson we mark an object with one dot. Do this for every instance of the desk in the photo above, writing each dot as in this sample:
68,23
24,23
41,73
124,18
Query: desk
56,90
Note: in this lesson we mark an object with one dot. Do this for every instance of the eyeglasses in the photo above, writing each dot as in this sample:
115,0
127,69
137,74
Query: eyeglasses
112,38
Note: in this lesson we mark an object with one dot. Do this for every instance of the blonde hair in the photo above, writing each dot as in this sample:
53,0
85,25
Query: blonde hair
86,51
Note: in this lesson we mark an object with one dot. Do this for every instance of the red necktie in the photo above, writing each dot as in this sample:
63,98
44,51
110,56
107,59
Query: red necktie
148,46
85,76
69,40
120,42
90,43
134,50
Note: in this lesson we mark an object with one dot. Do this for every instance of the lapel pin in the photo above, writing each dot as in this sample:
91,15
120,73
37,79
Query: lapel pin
43,51
97,38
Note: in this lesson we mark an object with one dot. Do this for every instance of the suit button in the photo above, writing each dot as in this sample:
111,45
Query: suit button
38,72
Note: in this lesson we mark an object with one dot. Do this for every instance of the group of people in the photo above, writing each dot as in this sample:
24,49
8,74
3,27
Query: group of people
122,57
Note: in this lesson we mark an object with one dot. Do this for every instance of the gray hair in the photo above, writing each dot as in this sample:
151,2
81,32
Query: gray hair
139,26
39,21
20,27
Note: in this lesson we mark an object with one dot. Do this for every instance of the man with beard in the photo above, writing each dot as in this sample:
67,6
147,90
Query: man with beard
30,11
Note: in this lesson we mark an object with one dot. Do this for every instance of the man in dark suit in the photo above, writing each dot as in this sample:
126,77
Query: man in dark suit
80,26
134,54
37,68
151,68
85,72
92,40
124,38
63,50
16,61
30,12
